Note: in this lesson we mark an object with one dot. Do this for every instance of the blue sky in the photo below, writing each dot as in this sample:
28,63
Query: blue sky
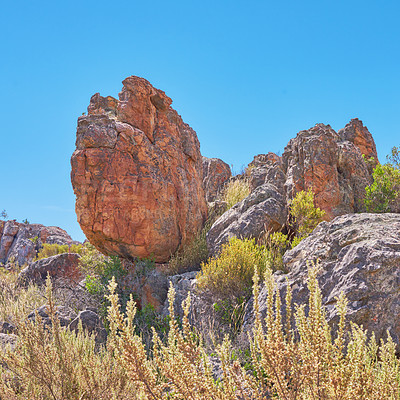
247,76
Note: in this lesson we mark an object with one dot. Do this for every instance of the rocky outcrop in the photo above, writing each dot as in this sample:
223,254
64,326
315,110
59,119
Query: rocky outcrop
330,163
266,168
359,255
264,210
215,174
63,266
19,243
137,174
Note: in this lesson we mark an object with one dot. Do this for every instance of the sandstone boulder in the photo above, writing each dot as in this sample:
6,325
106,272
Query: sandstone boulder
263,211
215,174
137,174
359,255
19,243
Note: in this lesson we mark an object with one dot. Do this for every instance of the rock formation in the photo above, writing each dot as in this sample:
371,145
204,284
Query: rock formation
359,255
20,242
262,211
137,174
215,174
330,163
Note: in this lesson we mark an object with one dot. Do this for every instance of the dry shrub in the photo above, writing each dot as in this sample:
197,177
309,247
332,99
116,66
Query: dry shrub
17,301
292,358
235,191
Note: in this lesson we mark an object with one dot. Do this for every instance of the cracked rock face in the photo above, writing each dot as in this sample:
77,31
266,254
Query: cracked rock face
137,174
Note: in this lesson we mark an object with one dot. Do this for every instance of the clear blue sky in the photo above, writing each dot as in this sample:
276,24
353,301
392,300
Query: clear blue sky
246,75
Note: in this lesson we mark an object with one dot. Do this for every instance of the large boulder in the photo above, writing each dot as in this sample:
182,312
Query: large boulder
357,254
263,211
215,174
20,243
137,174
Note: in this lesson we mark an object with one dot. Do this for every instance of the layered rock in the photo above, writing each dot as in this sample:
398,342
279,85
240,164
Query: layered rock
137,174
215,174
19,243
359,255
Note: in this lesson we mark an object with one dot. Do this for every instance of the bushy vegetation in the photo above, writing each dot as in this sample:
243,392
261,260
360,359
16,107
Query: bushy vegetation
49,250
235,191
229,275
383,195
295,355
306,216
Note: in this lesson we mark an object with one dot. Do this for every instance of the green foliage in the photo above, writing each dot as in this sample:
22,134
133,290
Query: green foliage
3,215
383,194
25,221
394,157
49,250
230,274
306,216
235,191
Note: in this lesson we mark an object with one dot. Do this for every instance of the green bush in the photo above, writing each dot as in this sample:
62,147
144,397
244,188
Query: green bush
383,194
230,274
305,215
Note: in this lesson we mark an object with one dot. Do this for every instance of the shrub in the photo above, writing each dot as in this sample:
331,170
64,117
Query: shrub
235,191
306,216
230,274
383,194
49,250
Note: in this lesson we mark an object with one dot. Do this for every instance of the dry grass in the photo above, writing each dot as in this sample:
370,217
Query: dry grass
235,191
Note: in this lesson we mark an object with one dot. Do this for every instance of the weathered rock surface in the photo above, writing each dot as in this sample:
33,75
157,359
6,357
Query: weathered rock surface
215,174
359,255
61,266
20,242
137,174
332,165
267,168
262,211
